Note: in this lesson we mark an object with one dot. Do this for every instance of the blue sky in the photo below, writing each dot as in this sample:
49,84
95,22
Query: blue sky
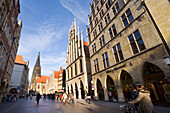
46,25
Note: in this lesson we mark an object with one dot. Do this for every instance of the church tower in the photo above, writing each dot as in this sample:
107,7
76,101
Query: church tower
36,73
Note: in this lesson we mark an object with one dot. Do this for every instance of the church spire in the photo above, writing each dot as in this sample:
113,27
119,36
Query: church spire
38,60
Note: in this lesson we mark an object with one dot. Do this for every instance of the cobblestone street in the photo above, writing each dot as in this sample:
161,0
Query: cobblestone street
48,106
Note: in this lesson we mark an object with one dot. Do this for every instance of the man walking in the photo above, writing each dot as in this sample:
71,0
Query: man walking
38,98
145,103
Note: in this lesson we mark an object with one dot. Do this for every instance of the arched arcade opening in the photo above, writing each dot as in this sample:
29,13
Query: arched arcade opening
82,90
154,81
112,91
100,90
127,85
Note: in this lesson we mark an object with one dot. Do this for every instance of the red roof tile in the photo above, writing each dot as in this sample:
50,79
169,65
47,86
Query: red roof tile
42,79
56,74
86,48
19,59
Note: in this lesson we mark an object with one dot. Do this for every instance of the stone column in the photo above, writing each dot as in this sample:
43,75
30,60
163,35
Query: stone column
120,94
106,94
96,94
79,94
74,92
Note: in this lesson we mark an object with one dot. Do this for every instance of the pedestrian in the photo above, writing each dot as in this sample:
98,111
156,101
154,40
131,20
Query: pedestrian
31,96
110,95
64,98
61,97
145,103
44,97
15,98
38,98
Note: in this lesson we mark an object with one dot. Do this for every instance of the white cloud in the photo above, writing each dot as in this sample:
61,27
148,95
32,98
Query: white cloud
76,9
45,38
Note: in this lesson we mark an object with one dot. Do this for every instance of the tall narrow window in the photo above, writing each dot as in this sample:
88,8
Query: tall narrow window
68,73
4,61
71,72
127,17
112,31
105,60
118,53
0,46
136,42
75,69
94,48
96,65
117,7
102,41
106,20
108,17
1,57
81,66
114,10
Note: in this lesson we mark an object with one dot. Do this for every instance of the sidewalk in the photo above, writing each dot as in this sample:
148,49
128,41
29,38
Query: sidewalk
158,109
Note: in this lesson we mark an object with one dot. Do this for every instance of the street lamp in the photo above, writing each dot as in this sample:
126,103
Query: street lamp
167,60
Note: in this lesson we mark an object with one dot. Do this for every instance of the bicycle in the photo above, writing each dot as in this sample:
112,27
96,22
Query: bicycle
128,108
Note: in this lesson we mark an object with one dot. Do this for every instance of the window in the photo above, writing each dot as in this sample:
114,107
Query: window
4,60
107,19
68,73
96,65
81,66
112,31
118,53
97,8
102,41
95,33
117,7
102,2
71,72
100,27
94,48
105,60
1,57
107,7
6,28
136,42
75,69
101,14
0,46
114,10
9,33
127,17
89,38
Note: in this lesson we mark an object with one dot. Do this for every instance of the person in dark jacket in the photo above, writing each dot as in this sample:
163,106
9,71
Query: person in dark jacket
145,103
38,98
